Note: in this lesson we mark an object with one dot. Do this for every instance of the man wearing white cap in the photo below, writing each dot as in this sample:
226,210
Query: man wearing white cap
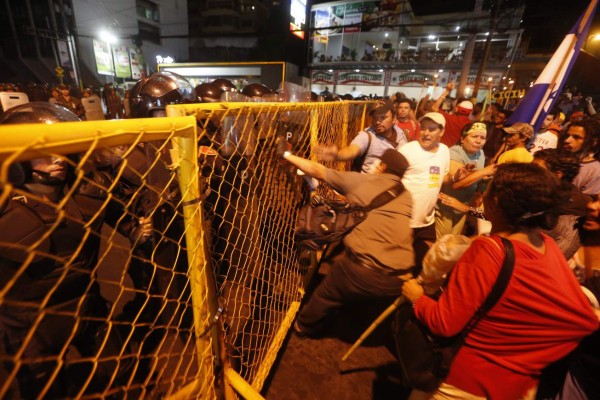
429,163
454,122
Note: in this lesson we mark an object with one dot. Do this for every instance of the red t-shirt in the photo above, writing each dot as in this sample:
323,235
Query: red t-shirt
541,317
410,128
454,126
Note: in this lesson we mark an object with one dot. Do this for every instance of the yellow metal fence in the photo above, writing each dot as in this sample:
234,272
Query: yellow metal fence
162,262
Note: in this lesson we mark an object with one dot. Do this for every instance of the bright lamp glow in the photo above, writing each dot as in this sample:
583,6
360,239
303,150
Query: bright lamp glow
108,37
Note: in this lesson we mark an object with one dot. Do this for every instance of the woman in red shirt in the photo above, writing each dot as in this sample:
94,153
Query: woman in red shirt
542,315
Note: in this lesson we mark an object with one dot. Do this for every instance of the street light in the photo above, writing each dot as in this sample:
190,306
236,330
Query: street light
108,37
593,37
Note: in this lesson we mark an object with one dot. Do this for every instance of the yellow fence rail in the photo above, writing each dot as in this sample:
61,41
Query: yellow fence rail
155,257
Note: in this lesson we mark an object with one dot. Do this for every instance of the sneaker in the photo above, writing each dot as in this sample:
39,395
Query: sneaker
298,332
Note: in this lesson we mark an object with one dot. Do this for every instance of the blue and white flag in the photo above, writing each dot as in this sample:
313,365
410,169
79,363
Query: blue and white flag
540,99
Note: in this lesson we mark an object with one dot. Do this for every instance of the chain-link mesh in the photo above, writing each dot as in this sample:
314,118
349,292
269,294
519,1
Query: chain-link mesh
141,256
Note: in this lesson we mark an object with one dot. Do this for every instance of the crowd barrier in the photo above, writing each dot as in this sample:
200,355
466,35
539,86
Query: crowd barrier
178,234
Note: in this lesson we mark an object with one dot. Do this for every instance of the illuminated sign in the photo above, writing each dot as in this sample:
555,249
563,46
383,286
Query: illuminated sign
164,60
298,17
364,78
104,64
509,94
410,78
137,63
122,63
322,77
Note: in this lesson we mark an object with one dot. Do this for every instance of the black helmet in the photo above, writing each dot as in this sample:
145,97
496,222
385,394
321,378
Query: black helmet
134,94
135,90
159,90
225,84
209,92
34,113
256,90
38,112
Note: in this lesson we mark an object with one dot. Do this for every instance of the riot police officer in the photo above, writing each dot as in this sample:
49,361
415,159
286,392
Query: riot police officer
49,243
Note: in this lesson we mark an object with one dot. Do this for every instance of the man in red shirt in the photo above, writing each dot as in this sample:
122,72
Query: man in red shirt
454,122
405,119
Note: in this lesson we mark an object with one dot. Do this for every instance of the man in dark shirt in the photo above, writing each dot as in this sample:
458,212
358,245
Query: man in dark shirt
378,250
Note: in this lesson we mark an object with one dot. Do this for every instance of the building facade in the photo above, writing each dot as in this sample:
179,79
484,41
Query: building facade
93,42
383,47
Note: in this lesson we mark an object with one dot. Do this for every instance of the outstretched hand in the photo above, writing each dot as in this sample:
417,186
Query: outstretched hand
326,153
453,202
281,146
463,172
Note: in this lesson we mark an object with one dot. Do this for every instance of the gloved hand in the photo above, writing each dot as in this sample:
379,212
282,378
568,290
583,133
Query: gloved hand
281,146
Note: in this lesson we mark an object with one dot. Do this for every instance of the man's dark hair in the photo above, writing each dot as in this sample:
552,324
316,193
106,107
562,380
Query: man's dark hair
383,109
527,195
560,161
406,100
395,162
555,112
499,109
506,112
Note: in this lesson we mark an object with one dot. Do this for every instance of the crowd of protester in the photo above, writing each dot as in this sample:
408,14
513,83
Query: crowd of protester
538,189
463,171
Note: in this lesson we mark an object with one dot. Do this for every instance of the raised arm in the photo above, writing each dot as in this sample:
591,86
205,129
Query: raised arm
435,107
333,153
472,177
309,167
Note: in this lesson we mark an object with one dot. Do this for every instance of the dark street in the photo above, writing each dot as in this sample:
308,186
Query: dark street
313,368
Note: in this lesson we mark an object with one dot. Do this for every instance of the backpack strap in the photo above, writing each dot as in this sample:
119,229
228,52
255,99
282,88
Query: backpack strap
369,132
498,289
385,197
358,162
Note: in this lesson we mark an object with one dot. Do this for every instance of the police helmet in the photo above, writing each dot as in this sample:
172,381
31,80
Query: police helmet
37,112
256,90
209,92
225,84
159,90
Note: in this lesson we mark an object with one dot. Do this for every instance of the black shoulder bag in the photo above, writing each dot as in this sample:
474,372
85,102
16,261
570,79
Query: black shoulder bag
425,358
324,221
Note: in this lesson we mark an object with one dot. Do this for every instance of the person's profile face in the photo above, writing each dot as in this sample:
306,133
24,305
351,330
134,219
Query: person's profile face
592,216
56,167
513,139
547,121
574,139
499,118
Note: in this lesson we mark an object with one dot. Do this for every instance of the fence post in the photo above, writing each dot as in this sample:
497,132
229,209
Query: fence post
184,156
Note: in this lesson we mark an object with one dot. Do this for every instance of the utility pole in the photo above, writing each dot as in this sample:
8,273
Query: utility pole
466,66
488,45
71,45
